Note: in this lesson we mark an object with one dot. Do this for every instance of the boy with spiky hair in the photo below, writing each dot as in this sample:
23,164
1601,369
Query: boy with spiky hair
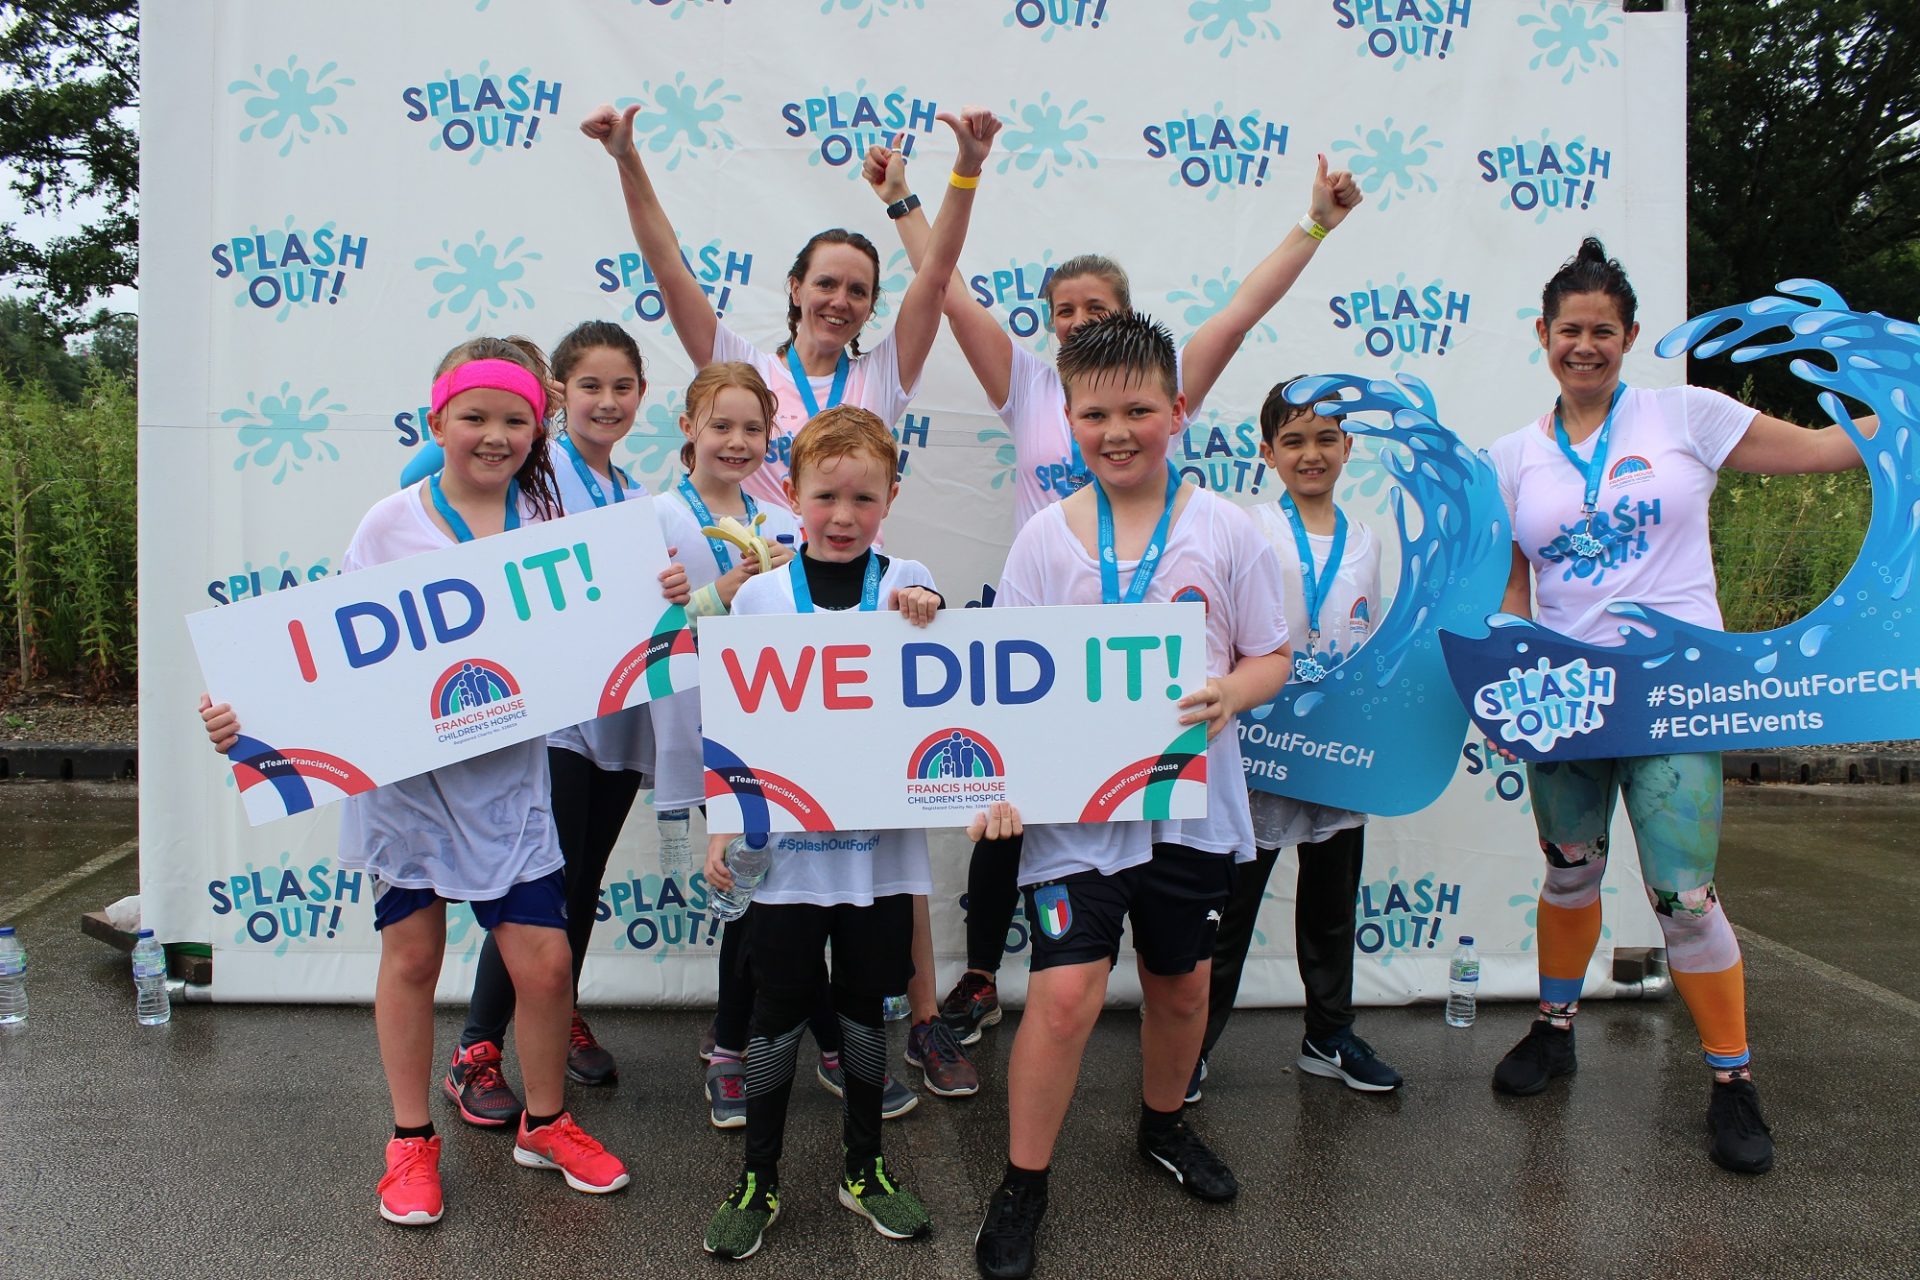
1136,535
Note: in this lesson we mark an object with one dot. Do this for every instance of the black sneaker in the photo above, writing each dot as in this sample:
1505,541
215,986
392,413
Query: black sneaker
1193,1085
587,1062
1544,1054
1346,1057
1003,1247
973,1004
1193,1165
1741,1140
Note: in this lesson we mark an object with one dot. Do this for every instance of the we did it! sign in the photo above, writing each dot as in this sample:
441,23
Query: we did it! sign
856,721
391,671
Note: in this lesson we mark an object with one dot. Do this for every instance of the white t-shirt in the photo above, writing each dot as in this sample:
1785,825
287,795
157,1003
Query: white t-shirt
827,868
1215,555
468,831
679,769
623,740
1036,417
1662,464
1347,616
873,383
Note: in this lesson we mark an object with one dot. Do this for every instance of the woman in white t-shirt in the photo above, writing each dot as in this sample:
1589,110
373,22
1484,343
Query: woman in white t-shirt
831,292
1025,391
1608,494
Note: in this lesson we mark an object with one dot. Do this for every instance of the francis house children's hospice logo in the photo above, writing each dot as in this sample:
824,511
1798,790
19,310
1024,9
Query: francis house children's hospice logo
953,768
475,696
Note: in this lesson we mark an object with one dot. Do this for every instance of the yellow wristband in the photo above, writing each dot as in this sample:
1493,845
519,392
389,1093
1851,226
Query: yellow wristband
1312,228
965,184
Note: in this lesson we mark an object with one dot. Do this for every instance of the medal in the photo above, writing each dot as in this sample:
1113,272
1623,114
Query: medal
1584,543
1315,584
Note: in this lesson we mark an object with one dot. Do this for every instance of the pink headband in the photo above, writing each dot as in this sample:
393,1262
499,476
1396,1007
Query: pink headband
498,375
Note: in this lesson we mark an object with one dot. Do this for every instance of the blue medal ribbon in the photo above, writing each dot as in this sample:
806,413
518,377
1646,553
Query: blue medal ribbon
462,531
590,480
803,594
704,517
1584,544
1315,584
804,385
1149,558
1077,474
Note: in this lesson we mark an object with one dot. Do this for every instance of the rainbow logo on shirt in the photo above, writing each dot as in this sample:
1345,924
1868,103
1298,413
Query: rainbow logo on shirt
469,684
1630,470
955,753
1191,595
1056,910
1360,618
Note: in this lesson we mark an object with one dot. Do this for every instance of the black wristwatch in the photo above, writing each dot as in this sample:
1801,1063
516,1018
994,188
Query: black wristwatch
901,208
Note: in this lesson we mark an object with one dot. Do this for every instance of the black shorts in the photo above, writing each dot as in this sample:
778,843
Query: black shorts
872,946
1174,899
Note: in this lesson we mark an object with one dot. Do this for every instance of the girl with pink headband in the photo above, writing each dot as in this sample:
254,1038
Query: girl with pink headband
480,831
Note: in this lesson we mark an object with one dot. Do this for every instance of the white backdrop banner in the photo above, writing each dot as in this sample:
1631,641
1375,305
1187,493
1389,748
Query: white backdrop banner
327,206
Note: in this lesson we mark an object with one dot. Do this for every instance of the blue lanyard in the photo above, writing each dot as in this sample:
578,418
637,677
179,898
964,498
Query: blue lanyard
1078,475
462,532
703,517
1315,583
1594,470
590,480
803,594
804,385
1149,559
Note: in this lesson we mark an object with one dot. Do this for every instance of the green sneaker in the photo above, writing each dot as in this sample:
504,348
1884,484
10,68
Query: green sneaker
737,1225
895,1213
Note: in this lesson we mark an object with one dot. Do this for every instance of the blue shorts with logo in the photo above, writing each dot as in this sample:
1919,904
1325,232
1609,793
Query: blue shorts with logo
542,903
1174,899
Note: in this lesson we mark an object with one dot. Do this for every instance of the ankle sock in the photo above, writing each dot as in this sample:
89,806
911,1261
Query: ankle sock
401,1132
1018,1177
1156,1122
541,1122
1558,1015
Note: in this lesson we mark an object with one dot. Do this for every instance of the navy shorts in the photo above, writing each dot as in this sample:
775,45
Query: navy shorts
1174,899
542,903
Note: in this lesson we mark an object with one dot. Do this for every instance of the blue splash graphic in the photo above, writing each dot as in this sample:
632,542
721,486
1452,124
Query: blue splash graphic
1390,698
289,102
1231,24
1389,162
479,277
892,284
655,446
1572,34
869,9
1845,673
1529,315
1045,139
1005,458
1204,299
278,431
1366,481
678,120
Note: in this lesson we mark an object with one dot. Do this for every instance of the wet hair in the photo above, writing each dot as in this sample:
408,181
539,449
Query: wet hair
1091,264
797,275
714,379
844,431
536,473
1130,343
591,336
1277,411
1589,270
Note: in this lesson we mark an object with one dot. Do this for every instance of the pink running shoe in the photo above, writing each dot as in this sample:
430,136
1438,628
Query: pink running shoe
410,1192
564,1145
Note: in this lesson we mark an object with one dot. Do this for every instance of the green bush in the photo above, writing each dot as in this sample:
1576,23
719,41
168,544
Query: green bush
1782,543
67,543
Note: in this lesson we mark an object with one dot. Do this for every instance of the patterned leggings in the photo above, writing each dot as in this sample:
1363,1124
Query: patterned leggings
1673,804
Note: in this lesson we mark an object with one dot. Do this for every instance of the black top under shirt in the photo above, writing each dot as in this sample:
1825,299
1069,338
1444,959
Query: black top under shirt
837,584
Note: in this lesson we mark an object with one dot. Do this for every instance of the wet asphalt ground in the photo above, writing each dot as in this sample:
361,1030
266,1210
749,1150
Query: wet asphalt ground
245,1140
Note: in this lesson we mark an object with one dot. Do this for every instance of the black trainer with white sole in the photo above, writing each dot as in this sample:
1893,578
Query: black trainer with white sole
1344,1056
1179,1150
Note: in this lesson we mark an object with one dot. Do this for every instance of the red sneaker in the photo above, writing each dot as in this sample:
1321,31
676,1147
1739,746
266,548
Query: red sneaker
476,1086
410,1192
564,1145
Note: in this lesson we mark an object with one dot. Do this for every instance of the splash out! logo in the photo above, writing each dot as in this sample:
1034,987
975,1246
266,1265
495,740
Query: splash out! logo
250,582
474,697
1018,292
1048,16
955,768
481,112
1220,455
1401,319
659,915
1404,915
1404,29
717,267
288,267
1214,150
1545,703
847,122
1541,175
278,904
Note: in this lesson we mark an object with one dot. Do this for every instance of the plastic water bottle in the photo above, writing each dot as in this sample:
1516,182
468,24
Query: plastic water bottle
1463,984
896,1008
747,858
150,980
13,978
676,852
784,539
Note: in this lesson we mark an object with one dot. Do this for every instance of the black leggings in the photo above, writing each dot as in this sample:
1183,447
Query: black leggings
590,805
1322,932
993,894
734,1008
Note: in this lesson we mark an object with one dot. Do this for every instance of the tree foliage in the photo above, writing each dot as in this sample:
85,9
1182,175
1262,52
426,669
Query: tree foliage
1804,159
70,89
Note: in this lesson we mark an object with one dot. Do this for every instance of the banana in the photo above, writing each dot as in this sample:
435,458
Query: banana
746,538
